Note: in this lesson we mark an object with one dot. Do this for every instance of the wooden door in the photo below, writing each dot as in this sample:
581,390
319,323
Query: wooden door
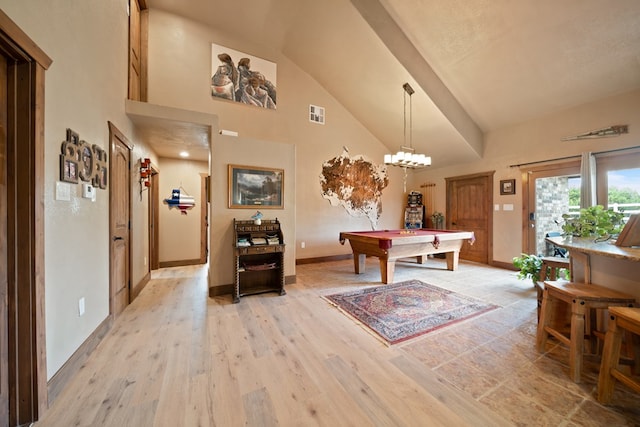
469,208
134,51
119,223
4,324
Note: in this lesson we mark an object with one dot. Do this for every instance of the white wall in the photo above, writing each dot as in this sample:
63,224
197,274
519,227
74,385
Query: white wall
179,234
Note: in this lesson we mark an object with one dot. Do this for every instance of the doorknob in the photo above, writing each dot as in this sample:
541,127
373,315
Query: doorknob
117,238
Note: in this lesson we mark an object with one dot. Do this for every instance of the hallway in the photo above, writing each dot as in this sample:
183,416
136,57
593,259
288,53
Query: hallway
178,358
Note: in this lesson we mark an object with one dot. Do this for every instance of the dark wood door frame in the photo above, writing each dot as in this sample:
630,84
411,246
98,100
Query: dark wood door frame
529,176
204,217
115,137
154,219
25,392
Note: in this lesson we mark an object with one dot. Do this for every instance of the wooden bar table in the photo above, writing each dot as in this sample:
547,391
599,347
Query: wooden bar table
603,263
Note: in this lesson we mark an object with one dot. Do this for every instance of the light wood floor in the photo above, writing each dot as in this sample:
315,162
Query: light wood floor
178,358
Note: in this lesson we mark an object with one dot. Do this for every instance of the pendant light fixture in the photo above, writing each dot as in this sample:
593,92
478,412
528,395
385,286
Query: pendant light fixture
407,157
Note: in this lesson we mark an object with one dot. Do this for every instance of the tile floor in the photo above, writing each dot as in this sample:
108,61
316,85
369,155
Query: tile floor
493,357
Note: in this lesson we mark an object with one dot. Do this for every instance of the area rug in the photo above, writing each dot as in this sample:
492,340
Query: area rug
401,311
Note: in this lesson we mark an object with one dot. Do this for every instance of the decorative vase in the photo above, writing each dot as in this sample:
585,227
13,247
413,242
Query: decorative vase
257,221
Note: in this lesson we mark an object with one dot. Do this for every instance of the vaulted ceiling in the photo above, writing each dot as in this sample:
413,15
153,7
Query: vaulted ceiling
476,65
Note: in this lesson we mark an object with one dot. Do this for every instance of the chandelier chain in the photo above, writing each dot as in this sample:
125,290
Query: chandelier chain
407,157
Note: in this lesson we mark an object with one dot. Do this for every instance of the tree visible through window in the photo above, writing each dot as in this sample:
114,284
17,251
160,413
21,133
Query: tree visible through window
623,191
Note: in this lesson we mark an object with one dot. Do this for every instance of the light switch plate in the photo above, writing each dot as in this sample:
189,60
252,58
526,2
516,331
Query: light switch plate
63,191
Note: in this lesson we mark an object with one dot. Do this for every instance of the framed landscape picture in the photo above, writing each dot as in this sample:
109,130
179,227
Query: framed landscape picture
252,186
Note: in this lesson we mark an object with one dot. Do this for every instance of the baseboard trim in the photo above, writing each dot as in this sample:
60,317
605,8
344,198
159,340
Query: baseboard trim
215,291
72,366
180,263
505,265
140,286
300,261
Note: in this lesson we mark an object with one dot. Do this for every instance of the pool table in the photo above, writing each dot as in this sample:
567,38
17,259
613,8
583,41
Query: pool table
389,245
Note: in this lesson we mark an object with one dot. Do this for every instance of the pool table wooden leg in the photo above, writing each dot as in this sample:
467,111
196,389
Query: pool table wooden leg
387,268
359,262
452,260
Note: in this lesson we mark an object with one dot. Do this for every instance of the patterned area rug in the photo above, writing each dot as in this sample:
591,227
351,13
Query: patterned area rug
405,310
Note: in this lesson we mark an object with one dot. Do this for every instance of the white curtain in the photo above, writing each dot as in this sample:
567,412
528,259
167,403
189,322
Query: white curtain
588,180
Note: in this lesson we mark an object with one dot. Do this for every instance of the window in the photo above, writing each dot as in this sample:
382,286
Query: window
618,181
552,190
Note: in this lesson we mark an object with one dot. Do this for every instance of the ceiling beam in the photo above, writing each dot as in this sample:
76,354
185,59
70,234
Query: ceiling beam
401,47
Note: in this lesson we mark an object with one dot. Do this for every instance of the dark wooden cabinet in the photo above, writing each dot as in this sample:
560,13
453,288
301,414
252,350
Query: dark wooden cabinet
258,258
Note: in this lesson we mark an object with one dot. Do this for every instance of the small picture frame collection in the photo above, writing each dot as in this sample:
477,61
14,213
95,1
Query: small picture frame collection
81,161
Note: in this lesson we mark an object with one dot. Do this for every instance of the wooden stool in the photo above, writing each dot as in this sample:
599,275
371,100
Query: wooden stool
581,297
622,319
550,269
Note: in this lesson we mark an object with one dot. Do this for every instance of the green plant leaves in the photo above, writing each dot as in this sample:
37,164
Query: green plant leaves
595,221
529,266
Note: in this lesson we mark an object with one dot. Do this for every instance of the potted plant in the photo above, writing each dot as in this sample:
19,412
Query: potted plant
595,221
529,266
438,220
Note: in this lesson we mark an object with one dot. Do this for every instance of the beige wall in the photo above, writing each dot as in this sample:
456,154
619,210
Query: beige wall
181,49
179,234
179,76
246,151
85,88
87,84
532,141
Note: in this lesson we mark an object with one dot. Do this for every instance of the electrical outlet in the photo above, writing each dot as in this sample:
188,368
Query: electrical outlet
145,260
81,306
302,245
